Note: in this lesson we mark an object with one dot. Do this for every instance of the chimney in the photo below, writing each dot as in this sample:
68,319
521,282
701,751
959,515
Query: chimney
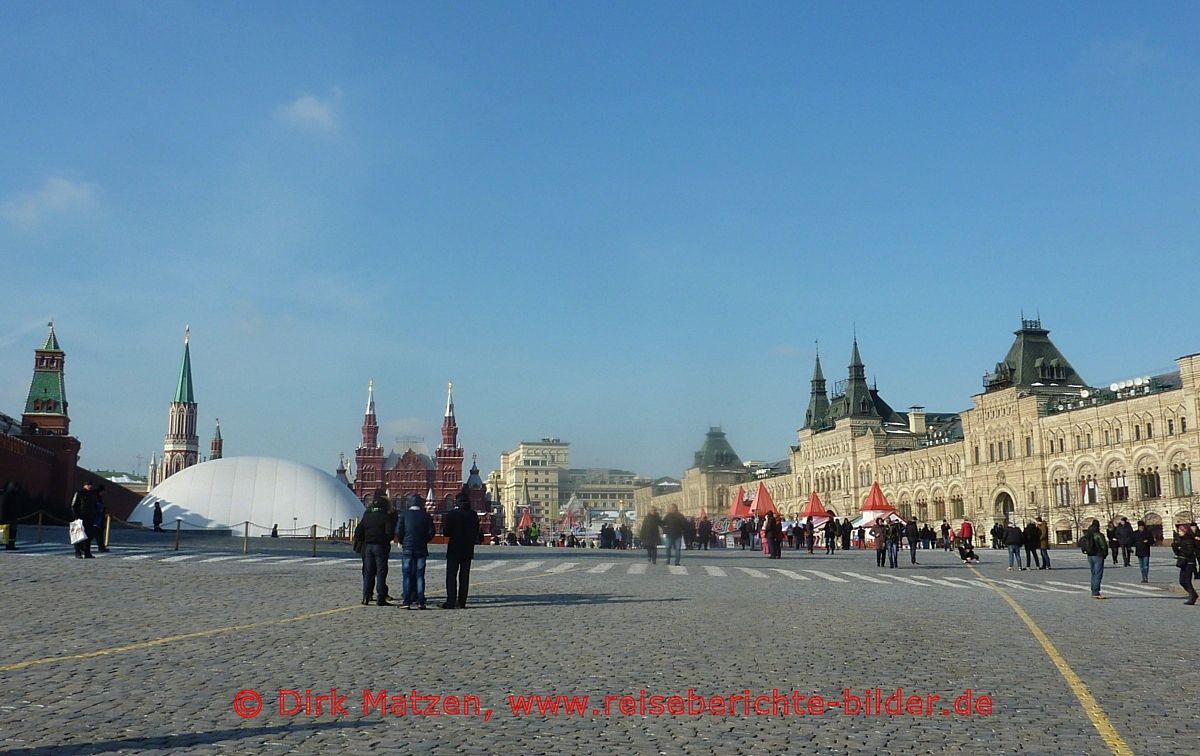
916,420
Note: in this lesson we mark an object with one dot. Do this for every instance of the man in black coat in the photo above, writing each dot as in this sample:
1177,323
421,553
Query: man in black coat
414,531
1125,539
8,516
461,526
705,531
675,526
83,506
912,533
374,532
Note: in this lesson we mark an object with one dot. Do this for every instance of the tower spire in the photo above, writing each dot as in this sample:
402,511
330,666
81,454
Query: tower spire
450,399
370,397
183,391
818,402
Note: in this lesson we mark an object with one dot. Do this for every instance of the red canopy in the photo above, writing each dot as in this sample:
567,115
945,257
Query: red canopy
876,502
738,507
763,502
814,508
526,521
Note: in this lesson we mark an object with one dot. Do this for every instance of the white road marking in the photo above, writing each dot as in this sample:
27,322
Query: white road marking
714,571
485,566
753,572
676,569
602,568
827,576
637,569
903,579
867,578
562,567
527,566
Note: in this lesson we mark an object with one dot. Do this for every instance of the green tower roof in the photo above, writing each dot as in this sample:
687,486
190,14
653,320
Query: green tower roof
184,392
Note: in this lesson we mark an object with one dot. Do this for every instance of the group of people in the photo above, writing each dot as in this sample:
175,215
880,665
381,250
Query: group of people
1034,538
412,529
1097,546
674,527
616,536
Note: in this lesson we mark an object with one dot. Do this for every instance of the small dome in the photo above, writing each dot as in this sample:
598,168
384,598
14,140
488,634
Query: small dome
221,494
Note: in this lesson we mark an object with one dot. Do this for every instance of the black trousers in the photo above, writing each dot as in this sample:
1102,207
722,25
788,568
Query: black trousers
458,581
1032,553
1126,552
652,552
880,556
1186,574
375,569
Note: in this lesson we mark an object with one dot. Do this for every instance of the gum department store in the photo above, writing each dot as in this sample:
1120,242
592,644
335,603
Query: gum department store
1039,441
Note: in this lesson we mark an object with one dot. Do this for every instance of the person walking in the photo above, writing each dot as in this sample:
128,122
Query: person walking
894,531
1114,545
1143,539
461,528
1012,539
1031,539
967,531
879,534
1095,545
414,531
945,528
912,533
1125,539
157,517
774,533
744,533
705,531
862,537
1187,557
1044,543
831,534
810,534
650,533
374,534
674,525
98,522
83,506
846,534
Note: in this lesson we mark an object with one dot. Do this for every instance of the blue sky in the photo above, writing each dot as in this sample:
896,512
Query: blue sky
616,223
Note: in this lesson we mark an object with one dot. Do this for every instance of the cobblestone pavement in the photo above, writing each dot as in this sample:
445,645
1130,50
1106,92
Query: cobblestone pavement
144,648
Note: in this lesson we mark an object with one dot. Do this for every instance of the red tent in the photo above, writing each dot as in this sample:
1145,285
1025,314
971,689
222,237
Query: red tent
763,503
526,521
876,501
814,509
738,507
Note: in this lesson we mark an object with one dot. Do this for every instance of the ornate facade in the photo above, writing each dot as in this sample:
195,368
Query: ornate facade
1038,441
411,472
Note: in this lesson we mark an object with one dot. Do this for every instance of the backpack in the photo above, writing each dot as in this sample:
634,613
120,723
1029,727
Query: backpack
1093,544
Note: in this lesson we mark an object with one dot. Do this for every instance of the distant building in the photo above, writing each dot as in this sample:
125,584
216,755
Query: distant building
437,479
181,445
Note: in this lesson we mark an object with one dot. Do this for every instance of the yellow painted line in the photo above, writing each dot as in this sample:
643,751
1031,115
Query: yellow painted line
223,630
1090,706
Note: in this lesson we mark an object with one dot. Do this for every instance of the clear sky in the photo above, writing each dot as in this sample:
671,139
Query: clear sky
615,223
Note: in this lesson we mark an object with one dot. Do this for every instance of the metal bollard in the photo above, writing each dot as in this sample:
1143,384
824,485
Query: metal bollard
314,539
178,523
39,526
246,539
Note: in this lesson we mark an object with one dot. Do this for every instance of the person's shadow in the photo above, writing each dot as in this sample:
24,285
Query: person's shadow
180,741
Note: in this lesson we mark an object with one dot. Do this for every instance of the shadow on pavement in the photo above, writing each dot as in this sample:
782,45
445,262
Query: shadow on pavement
180,741
559,599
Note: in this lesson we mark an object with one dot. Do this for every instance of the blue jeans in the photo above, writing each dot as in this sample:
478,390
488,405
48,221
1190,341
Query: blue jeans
676,545
414,579
1144,564
1014,556
375,569
1096,562
1045,559
893,551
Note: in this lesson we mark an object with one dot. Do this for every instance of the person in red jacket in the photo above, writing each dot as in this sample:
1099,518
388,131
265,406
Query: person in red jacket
966,531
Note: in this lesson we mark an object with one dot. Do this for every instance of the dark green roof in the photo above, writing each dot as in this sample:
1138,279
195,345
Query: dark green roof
1032,360
49,390
716,452
183,392
51,344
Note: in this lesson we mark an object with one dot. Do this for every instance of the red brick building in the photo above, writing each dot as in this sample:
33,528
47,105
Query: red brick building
411,471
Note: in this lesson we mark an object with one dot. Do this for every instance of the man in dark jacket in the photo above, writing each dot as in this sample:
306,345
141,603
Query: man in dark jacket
461,526
831,529
1095,545
912,533
83,506
374,532
650,533
1143,539
705,531
1125,539
1031,538
744,531
675,525
414,531
1013,536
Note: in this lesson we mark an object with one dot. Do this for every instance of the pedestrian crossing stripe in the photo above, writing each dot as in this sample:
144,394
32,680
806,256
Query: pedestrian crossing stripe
714,571
902,579
485,566
602,568
562,567
867,578
637,569
527,566
753,572
937,581
790,574
826,576
676,569
218,559
1139,587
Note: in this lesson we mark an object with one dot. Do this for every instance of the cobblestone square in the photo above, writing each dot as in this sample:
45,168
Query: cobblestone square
144,649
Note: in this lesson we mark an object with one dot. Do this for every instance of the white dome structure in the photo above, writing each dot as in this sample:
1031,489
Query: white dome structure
221,494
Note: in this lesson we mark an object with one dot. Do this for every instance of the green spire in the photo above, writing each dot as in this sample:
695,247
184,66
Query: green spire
183,392
51,344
